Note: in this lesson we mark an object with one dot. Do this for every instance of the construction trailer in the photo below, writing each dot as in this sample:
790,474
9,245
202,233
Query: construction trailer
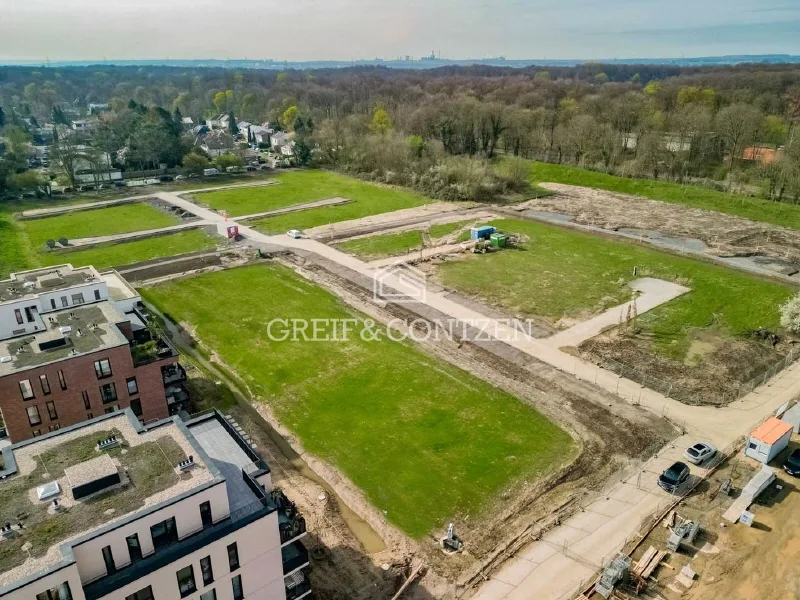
499,240
767,440
482,232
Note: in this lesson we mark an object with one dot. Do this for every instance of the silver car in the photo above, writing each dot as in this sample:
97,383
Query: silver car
699,453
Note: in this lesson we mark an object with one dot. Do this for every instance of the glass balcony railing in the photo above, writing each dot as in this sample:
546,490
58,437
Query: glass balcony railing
295,556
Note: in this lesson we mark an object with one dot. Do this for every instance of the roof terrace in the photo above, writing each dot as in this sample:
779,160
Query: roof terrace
137,472
50,279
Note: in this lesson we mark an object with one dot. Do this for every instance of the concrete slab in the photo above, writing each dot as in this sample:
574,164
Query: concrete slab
515,570
494,589
537,552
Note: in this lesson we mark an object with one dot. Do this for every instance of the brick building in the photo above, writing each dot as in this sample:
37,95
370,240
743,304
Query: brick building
74,345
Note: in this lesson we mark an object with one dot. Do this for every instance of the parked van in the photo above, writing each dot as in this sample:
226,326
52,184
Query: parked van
210,172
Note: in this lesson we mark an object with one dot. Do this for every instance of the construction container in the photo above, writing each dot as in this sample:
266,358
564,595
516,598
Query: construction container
481,233
499,240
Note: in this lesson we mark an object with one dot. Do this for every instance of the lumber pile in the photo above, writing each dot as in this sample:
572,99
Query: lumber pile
648,563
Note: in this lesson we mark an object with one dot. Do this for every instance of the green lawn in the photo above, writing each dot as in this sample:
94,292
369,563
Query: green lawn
424,440
117,254
444,229
378,246
124,218
561,273
756,209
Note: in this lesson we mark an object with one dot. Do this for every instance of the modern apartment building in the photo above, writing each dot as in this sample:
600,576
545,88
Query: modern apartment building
110,509
74,344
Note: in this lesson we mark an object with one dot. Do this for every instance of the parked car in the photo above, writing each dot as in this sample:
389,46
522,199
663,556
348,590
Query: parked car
210,172
792,464
294,233
180,177
699,453
193,175
119,184
166,178
671,479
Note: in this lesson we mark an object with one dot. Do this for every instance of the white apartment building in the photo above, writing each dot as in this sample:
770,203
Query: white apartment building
25,296
173,510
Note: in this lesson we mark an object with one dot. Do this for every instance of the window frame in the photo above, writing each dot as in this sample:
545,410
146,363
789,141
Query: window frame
45,384
109,399
209,595
18,316
97,294
64,302
62,380
52,413
86,403
135,385
30,389
235,551
234,580
136,407
100,370
186,586
53,303
170,531
38,416
78,299
205,565
146,593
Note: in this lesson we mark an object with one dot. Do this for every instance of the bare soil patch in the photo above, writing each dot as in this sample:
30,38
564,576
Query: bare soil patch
725,235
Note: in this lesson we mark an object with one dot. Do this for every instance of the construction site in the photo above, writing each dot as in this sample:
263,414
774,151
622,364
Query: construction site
482,463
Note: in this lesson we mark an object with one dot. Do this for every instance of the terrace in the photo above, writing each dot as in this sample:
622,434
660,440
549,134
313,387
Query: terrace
97,486
50,279
71,332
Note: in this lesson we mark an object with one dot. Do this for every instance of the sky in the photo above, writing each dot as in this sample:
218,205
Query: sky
366,29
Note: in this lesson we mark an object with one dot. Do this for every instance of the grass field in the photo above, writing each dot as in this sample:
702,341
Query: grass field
125,253
102,221
425,441
561,273
377,246
756,209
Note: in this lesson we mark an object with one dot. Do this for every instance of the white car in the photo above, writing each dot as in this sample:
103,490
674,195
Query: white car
699,453
294,233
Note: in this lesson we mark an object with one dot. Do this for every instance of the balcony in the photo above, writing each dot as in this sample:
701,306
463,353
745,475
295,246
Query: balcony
295,557
173,373
291,523
155,349
297,586
177,398
102,586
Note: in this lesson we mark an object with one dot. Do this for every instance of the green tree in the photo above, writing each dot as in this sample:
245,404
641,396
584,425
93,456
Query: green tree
776,130
289,117
233,129
194,163
416,145
27,181
381,121
738,125
18,141
302,151
2,117
223,161
601,78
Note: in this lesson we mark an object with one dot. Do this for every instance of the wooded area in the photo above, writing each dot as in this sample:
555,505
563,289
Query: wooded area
438,131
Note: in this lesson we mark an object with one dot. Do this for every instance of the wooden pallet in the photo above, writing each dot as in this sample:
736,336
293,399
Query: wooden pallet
648,563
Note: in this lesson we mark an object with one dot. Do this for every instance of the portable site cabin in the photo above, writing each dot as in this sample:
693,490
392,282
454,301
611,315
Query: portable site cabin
768,439
481,232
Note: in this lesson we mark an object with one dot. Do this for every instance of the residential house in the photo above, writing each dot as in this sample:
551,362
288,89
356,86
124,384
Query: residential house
278,139
260,134
217,143
206,524
74,344
96,108
219,121
187,122
288,149
764,156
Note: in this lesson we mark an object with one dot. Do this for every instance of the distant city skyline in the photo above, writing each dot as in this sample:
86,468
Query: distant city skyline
343,30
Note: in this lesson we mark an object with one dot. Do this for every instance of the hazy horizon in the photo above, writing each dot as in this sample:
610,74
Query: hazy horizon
365,29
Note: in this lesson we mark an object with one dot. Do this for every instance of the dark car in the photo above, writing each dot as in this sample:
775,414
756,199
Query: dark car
166,178
792,464
671,479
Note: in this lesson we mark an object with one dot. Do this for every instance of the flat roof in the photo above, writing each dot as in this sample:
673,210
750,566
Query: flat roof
70,457
771,430
29,284
118,288
91,328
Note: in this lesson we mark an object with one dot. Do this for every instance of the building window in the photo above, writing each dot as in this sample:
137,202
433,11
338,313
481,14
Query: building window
51,411
111,409
108,392
209,595
55,427
60,592
238,592
186,581
206,571
136,407
89,415
108,559
36,432
134,548
78,298
97,294
102,368
233,557
64,302
205,514
45,384
143,594
26,389
33,415
18,315
62,381
133,387
164,533
86,403
53,303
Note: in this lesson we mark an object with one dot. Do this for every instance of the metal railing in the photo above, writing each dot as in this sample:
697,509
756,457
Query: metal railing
298,590
779,366
294,556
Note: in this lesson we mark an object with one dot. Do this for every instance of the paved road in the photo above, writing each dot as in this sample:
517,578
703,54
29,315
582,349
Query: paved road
135,235
553,567
295,207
